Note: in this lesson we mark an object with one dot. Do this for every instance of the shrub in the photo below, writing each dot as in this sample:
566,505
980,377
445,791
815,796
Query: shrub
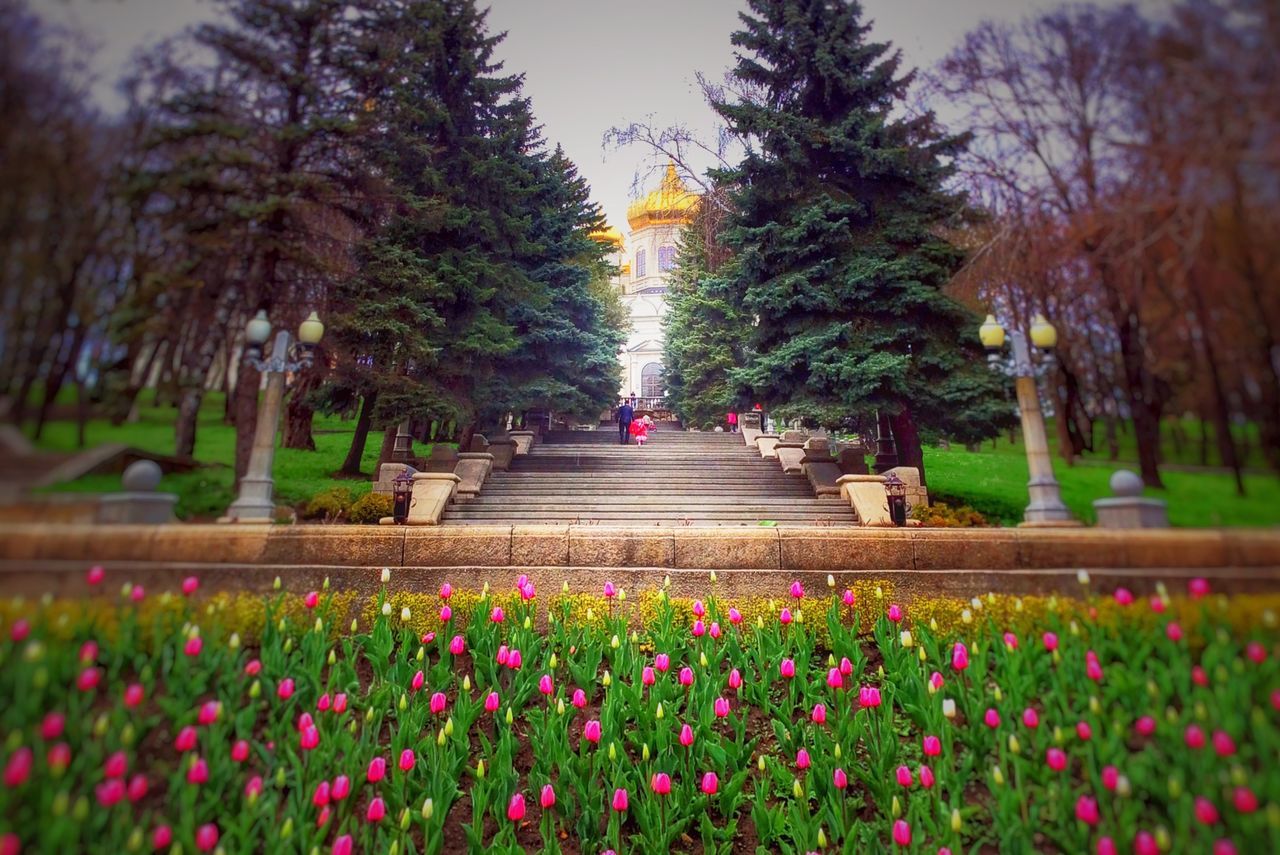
943,515
369,508
329,505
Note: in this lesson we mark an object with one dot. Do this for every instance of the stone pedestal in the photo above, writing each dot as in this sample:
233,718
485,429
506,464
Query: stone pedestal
479,444
749,435
472,471
386,474
1128,508
821,468
431,494
503,450
443,458
767,443
853,460
402,451
917,495
139,504
790,453
524,440
867,497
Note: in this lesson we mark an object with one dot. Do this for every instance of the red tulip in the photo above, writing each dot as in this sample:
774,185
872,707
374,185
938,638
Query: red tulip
609,590
322,795
109,792
377,769
253,667
1256,653
1084,731
253,787
186,740
161,837
513,661
846,667
1199,676
1110,777
59,756
89,679
497,615
343,845
457,645
95,575
901,833
548,797
1106,846
323,703
715,629
377,810
1223,744
1194,736
710,783
199,772
419,680
1205,812
52,727
699,629
1174,631
207,837
116,765
834,678
1224,846
932,746
1158,604
515,808
1087,810
992,718
438,703
721,708
311,600
935,680
840,779
208,713
137,594
619,800
18,769
1244,799
1056,758
869,696
1145,726
647,676
895,613
735,616
1031,718
1093,670
285,690
1124,596
959,657
1144,843
446,614
340,703
88,651
407,759
1011,641
341,788
138,786
660,783
194,645
189,585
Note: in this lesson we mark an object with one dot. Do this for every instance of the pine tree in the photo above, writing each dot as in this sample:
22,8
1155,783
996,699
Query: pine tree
838,208
703,334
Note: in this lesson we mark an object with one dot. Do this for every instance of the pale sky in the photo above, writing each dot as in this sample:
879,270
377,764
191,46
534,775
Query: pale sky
588,64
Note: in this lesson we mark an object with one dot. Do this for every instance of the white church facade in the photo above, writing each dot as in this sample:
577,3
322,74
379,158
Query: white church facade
645,258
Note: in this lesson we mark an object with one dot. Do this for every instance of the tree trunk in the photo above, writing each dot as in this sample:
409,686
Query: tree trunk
464,438
1221,409
53,384
351,466
299,412
246,415
1204,442
907,439
82,412
388,445
184,429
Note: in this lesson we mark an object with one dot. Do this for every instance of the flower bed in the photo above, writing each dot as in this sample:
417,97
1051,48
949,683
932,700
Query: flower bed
830,722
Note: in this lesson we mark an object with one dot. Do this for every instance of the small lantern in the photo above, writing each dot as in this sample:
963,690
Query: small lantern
896,491
402,495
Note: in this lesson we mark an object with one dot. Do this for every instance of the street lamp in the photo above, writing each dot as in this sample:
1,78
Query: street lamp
254,503
895,490
1046,507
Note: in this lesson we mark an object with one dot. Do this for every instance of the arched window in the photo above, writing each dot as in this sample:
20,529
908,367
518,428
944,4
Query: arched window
640,262
651,381
666,258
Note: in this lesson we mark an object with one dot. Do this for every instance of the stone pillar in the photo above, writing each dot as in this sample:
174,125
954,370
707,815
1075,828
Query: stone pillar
886,449
431,494
523,440
1128,508
443,458
820,468
255,502
767,444
503,450
853,460
790,450
139,504
472,470
402,451
867,497
479,444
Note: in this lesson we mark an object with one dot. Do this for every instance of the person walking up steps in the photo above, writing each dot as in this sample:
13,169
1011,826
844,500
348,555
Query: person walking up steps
625,415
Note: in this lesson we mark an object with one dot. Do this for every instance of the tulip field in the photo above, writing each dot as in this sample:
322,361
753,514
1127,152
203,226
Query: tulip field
825,721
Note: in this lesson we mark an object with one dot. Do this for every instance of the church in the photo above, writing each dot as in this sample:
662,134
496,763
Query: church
644,259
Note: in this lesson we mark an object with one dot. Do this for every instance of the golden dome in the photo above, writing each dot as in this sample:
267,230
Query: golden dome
670,204
608,235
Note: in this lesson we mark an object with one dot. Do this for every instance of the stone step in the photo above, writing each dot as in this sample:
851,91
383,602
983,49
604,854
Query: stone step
640,501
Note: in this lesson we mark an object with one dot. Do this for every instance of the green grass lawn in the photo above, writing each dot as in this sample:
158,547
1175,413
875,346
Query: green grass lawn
992,480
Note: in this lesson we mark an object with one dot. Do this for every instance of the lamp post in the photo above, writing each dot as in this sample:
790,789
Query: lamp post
1046,507
254,503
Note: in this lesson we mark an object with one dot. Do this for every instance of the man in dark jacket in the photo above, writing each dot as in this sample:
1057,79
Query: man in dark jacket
625,415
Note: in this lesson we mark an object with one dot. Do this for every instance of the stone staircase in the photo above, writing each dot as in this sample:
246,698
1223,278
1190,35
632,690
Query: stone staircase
677,478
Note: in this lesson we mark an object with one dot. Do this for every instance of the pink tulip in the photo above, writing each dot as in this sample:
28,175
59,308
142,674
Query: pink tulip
340,703
834,679
419,680
904,776
959,657
699,629
802,759
1198,587
819,715
579,698
710,783
660,783
446,591
1145,726
322,795
1193,736
1244,800
1199,676
548,797
839,779
491,702
735,616
1124,596
95,575
1157,605
207,837
323,704
52,726
662,662
1050,641
18,769
735,679
116,765
407,759
253,667
514,660
901,833
1144,843
797,590
869,696
1084,731
10,844
89,679
1087,810
1255,652
715,629
846,667
457,645
59,756
193,646
1106,846
935,680
721,707
1031,718
1011,641
686,676
137,789
1093,670
377,810
848,598
341,788
609,590
619,800
186,740
1056,758
137,594
446,614
343,845
1174,631
285,690
304,721
377,769
438,702
309,738
1223,744
253,787
209,712
931,746
323,816
88,652
1110,778
787,668
240,751
686,735
133,695
544,684
527,591
497,615
591,732
1224,846
311,600
926,777
199,772
784,617
992,718
1205,812
895,613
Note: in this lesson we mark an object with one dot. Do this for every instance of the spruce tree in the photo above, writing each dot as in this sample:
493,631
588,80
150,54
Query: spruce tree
838,205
